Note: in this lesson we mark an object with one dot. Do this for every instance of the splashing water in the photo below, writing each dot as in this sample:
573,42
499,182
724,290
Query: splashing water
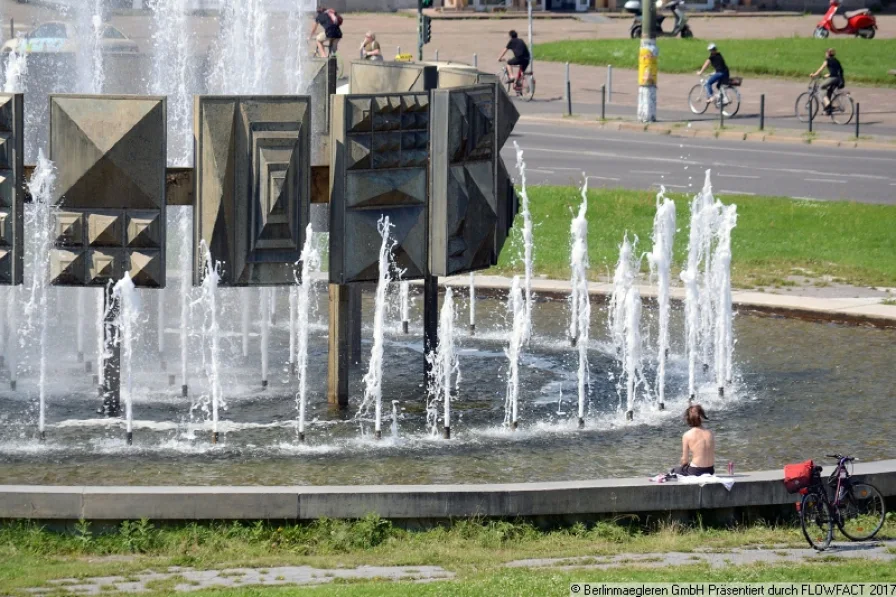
265,323
405,304
528,243
125,293
472,302
186,290
241,56
172,46
580,303
623,279
517,308
632,354
12,342
707,280
293,306
16,70
445,371
41,188
373,379
100,325
245,302
721,263
311,262
211,331
660,260
395,419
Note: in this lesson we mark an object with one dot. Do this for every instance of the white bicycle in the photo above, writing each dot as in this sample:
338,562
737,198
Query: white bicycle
727,99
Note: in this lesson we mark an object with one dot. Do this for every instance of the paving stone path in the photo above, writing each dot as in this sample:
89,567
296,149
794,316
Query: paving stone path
881,551
178,579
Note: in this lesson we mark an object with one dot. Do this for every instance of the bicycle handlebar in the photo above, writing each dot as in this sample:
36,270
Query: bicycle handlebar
840,457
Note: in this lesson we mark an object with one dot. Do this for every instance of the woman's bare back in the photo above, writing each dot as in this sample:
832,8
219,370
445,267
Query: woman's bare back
701,443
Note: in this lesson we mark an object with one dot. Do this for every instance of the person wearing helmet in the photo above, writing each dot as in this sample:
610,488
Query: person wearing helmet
718,78
834,80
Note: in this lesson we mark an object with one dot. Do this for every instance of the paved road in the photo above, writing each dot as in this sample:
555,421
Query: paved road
559,153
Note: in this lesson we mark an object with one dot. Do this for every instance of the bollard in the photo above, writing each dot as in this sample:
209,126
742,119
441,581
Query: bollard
437,56
475,61
857,120
721,111
568,93
603,102
762,112
810,113
609,82
398,50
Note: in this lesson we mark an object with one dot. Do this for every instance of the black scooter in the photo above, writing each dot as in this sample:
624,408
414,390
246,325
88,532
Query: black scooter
676,7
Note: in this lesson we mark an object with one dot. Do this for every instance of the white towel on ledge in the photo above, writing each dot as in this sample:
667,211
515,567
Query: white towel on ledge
728,482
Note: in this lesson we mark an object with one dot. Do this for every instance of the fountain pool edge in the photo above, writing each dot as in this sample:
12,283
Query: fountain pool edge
862,311
420,503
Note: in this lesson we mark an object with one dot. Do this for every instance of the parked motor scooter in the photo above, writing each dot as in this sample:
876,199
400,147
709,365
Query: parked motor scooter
676,7
860,23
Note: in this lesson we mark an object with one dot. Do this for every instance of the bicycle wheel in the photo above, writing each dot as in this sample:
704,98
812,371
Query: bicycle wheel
816,521
528,87
862,513
731,101
504,78
842,108
806,103
697,99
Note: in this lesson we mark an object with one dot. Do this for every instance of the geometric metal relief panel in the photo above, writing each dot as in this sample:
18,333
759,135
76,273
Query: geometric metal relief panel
322,85
11,191
463,210
110,156
252,186
507,202
379,167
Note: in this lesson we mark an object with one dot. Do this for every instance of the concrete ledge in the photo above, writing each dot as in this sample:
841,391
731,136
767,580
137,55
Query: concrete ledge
403,502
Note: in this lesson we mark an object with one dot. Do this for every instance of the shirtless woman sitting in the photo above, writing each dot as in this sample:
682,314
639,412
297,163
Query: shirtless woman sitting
698,446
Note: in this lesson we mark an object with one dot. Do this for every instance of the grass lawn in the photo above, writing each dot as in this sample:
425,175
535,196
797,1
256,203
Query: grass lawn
784,57
775,237
474,550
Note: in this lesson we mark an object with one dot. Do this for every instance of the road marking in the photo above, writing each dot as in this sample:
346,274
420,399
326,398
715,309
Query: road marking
736,176
648,172
825,180
539,170
667,185
689,144
603,178
808,198
725,192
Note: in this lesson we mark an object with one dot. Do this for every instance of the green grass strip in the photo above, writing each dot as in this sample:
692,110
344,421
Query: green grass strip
775,237
793,58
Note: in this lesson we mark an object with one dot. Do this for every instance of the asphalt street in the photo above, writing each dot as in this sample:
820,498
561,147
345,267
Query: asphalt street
560,153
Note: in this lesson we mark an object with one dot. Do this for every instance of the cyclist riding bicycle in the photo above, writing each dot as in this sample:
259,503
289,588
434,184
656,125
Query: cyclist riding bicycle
330,23
834,80
520,58
720,77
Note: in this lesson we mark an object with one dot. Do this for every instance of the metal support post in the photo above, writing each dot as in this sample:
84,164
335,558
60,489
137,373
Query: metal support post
810,114
531,45
354,322
647,65
339,362
568,93
437,56
762,112
111,388
475,61
857,119
603,102
430,321
721,111
420,30
609,82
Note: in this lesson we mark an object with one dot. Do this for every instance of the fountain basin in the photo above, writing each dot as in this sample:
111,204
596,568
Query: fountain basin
422,503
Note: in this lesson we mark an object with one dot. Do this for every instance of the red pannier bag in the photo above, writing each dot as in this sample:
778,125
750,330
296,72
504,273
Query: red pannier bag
798,476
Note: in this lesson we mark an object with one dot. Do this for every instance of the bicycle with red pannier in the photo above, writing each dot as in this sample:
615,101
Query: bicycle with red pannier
857,508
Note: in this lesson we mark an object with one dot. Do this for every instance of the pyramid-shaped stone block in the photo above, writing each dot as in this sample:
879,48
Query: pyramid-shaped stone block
380,154
252,185
110,155
12,182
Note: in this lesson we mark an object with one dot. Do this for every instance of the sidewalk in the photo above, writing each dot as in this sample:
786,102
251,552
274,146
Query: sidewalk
866,306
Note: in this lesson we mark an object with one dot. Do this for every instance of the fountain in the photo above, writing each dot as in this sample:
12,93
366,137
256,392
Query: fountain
660,260
16,71
265,325
445,369
624,322
405,305
528,243
579,299
211,333
373,379
186,290
516,308
311,261
124,293
472,303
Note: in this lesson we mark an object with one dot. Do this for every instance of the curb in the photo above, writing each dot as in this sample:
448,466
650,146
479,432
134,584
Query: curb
703,133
